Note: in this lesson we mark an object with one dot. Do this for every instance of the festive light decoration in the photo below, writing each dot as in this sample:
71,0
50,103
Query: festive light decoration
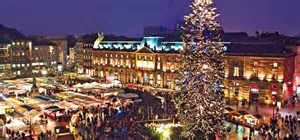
201,101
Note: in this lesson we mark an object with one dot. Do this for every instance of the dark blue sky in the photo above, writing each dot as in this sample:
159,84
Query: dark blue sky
129,17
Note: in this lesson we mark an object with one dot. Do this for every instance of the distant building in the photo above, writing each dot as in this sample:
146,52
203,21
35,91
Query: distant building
61,44
72,55
44,57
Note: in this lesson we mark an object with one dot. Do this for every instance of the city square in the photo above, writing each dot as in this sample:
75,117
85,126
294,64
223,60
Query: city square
206,78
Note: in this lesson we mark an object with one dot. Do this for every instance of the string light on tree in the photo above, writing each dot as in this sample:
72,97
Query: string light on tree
201,102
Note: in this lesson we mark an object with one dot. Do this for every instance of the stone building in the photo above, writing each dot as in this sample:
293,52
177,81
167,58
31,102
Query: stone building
44,57
61,46
254,70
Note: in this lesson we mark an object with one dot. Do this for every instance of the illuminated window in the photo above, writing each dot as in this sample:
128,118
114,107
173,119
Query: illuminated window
22,43
255,72
23,54
255,64
275,65
158,65
116,56
105,55
122,56
158,58
127,62
13,43
36,48
18,43
126,56
236,71
150,58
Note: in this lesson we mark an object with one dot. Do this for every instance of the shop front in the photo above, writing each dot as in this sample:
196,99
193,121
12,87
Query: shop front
296,88
158,81
254,93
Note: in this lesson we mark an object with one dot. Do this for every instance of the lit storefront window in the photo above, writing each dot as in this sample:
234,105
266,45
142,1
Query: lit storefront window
236,71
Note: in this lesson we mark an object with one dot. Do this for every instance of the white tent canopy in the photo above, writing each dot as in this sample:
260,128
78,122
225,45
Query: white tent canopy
128,95
33,113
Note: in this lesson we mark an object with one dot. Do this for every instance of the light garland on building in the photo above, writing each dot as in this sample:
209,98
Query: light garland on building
201,101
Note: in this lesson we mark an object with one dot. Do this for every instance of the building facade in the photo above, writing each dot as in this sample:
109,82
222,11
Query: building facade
258,72
61,45
19,57
254,71
44,57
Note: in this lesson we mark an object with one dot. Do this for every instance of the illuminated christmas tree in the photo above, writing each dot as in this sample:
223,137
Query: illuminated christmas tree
201,100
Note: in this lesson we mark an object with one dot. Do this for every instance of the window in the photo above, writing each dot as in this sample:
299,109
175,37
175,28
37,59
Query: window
158,65
236,71
255,64
275,65
158,58
36,48
255,72
122,56
275,73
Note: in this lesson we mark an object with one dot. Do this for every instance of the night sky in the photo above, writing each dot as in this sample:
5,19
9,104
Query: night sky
129,17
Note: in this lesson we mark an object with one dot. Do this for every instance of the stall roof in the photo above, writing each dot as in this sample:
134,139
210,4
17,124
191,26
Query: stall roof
228,109
243,112
33,113
128,95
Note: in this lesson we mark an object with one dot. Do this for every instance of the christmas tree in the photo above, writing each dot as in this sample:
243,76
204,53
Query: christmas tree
201,100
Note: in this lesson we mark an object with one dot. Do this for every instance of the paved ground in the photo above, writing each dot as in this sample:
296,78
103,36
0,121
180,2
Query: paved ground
267,112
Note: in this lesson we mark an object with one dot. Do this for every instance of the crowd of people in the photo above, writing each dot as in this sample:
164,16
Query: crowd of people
121,122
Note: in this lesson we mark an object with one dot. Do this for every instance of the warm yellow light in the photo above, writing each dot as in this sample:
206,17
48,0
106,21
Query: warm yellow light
166,133
261,76
247,75
205,66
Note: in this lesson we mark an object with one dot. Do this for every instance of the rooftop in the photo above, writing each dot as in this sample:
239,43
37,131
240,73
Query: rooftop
43,43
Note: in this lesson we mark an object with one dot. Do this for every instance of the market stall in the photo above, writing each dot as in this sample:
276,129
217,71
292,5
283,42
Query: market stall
254,120
236,117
